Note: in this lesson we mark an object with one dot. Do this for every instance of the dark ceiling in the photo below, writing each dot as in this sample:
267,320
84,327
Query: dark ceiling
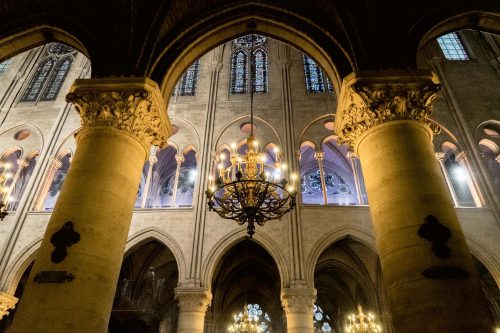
141,38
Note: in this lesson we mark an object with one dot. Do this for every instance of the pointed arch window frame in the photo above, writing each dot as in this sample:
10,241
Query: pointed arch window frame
316,80
50,82
188,83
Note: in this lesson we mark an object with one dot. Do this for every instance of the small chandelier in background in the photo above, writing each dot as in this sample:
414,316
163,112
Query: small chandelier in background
362,323
4,176
245,191
244,323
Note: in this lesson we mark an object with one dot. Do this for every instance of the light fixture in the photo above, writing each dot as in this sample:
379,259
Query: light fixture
4,176
249,190
244,323
362,323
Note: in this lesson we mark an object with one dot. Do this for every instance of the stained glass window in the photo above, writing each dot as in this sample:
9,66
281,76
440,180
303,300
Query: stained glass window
188,81
243,47
452,47
258,314
239,72
38,81
321,320
4,65
57,79
60,49
260,71
316,80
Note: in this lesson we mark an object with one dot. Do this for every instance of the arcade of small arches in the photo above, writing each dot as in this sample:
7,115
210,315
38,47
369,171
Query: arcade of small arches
186,270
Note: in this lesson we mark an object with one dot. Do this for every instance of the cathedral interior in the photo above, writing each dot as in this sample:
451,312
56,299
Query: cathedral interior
116,116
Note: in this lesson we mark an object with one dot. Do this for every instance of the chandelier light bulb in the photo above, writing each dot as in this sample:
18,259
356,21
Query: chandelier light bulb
7,166
8,175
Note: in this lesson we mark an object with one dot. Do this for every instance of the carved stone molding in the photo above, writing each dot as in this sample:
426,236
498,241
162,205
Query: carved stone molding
7,303
371,99
298,300
133,105
193,299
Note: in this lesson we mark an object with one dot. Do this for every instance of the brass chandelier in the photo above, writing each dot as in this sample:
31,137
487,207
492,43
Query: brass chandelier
244,323
245,192
362,323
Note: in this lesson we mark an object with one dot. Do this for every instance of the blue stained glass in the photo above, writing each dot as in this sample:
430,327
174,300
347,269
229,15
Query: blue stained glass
4,65
57,79
260,70
316,80
239,72
188,82
250,40
452,47
38,80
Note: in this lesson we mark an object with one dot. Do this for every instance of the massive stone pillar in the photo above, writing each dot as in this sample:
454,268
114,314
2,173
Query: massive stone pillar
73,280
193,304
298,305
427,268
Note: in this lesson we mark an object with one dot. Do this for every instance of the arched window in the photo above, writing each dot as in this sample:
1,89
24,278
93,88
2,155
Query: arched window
260,71
57,182
187,178
458,178
38,81
162,179
187,83
239,72
20,181
491,158
316,80
50,74
243,47
452,47
56,79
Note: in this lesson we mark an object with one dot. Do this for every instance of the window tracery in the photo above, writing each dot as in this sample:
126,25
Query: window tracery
50,74
243,47
189,80
316,80
452,47
321,321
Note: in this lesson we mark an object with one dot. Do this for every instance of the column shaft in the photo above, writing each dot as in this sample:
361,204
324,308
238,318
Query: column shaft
72,284
428,291
298,305
193,304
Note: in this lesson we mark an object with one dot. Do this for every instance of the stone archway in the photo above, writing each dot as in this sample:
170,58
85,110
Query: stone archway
144,300
245,274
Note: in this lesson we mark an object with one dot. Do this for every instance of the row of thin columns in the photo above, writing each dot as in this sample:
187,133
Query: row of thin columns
426,265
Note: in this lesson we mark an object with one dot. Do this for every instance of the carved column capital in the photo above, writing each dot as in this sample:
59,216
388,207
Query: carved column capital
298,300
461,157
319,155
440,155
132,105
7,303
23,163
55,163
193,299
179,159
371,98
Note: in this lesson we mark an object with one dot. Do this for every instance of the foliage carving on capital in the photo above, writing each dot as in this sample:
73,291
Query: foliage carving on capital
369,105
193,299
298,300
7,303
133,111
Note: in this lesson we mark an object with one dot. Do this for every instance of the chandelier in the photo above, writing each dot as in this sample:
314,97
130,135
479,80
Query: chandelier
243,323
249,190
4,176
362,323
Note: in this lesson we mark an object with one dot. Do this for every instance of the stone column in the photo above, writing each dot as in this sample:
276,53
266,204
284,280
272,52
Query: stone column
355,174
152,161
193,304
54,165
461,158
179,159
440,157
298,305
72,284
319,156
427,268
